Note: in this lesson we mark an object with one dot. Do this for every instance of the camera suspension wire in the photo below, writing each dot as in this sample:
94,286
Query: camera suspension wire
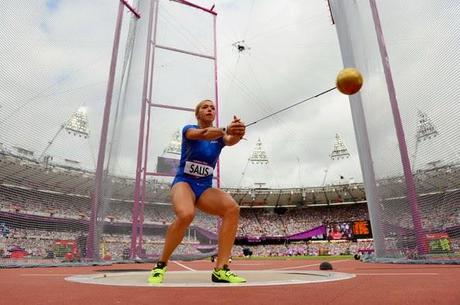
291,106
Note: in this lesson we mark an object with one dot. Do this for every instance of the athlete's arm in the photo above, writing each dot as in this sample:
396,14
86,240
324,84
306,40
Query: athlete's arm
235,132
208,133
231,135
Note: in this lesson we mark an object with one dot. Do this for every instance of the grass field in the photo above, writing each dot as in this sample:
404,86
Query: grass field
323,258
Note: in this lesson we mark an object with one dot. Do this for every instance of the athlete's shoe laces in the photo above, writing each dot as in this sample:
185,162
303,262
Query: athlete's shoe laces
157,275
224,275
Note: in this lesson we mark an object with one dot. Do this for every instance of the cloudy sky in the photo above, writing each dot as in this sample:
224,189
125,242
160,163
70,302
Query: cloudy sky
291,54
56,56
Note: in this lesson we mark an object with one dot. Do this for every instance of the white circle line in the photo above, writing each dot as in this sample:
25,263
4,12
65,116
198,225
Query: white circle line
325,277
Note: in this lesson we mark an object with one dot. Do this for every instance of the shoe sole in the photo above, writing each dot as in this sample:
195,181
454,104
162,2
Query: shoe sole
153,282
215,279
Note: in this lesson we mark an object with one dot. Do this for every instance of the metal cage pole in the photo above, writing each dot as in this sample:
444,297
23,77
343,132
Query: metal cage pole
92,249
349,55
146,152
140,167
216,90
411,192
144,131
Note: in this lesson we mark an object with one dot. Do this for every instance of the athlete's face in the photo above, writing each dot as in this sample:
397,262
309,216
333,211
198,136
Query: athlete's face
207,112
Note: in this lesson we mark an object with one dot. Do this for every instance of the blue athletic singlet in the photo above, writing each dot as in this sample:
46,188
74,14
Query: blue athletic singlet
197,162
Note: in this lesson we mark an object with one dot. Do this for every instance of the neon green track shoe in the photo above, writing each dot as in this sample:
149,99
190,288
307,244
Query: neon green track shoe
224,275
157,275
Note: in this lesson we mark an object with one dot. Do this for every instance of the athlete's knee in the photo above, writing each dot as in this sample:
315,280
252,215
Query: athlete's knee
184,217
233,209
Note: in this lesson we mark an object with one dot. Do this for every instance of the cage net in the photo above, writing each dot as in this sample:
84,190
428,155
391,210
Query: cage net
54,69
53,81
422,39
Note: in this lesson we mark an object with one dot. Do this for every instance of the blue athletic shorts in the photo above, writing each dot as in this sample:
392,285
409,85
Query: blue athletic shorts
197,187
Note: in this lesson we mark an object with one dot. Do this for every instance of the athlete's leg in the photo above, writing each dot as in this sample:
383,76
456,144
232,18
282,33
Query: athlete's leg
217,202
183,201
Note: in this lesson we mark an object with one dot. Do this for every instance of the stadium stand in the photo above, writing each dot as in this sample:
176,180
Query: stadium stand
38,209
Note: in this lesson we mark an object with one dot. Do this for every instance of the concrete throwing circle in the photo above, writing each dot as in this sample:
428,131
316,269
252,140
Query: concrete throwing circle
203,278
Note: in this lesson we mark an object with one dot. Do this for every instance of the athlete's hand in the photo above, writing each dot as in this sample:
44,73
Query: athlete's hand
236,127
